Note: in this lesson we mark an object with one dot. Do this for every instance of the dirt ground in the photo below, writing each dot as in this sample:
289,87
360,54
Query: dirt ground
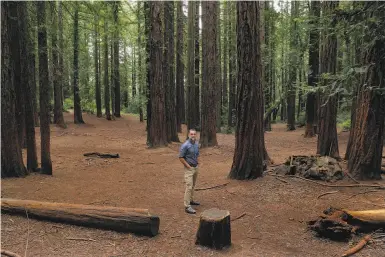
276,212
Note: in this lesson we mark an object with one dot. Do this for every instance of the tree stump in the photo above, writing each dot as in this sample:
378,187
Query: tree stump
214,229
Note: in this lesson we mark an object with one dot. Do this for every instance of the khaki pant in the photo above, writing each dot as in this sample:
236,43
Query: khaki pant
190,178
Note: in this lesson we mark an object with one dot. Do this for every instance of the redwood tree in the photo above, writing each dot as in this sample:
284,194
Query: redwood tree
368,138
116,75
327,144
15,52
249,135
157,134
106,81
98,95
180,104
313,67
192,105
210,78
78,119
168,71
27,78
45,90
11,158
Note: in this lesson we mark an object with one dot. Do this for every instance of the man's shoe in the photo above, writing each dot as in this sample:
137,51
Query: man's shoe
190,210
194,203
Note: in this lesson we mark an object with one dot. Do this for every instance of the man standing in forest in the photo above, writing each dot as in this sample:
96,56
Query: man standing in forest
188,156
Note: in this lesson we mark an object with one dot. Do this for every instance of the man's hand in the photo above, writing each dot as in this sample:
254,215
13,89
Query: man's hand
183,161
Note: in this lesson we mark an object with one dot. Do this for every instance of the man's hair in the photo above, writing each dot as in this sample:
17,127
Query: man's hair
192,130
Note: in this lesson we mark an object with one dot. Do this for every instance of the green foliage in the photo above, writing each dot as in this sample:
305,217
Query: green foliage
68,104
343,120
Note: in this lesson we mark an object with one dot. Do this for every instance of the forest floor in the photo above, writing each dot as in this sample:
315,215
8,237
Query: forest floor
276,212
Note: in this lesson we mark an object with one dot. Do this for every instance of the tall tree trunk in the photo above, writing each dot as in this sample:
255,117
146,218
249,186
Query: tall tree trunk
249,135
197,109
106,77
168,72
78,119
157,129
141,118
231,119
191,100
225,57
133,73
45,90
98,95
147,30
356,86
180,103
112,80
11,157
27,78
116,61
312,78
291,85
56,66
15,52
367,142
327,144
219,69
267,38
210,83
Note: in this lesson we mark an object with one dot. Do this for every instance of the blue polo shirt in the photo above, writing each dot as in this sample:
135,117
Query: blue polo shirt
189,152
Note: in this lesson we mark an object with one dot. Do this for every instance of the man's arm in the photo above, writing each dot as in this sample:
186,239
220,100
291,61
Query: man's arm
183,161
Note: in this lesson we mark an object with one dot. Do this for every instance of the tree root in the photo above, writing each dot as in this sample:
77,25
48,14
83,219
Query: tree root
361,244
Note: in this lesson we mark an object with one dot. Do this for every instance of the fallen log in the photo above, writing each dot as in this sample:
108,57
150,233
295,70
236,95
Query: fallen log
341,224
138,221
102,155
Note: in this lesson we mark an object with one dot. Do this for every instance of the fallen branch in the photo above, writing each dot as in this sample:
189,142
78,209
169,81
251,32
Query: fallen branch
9,254
351,177
362,193
282,180
80,239
175,236
211,187
238,217
327,185
102,155
327,193
361,244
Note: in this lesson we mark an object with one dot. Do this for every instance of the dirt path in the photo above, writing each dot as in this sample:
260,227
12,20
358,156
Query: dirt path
275,224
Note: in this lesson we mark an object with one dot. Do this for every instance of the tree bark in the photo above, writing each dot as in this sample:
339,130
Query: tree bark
106,77
219,70
180,102
78,119
291,85
327,144
312,78
210,76
225,58
368,138
98,95
141,118
138,221
15,53
197,108
231,119
168,72
45,90
157,124
116,60
27,78
249,135
11,157
191,104
57,63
